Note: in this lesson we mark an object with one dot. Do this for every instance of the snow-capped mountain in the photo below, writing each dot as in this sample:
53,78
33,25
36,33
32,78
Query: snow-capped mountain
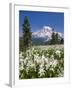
45,33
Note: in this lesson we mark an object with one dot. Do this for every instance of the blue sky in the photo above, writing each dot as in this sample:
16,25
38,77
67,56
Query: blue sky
39,19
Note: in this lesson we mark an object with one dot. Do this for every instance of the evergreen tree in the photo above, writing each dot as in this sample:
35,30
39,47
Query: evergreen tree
21,46
57,41
62,41
26,34
53,38
52,41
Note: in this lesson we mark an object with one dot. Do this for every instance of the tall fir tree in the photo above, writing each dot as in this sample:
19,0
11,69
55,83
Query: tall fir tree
62,41
56,39
26,34
50,42
53,38
21,46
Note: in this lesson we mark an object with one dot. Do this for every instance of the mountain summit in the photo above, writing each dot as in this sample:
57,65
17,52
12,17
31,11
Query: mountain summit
46,31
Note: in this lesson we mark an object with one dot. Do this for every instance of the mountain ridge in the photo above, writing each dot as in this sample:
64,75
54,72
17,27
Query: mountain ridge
46,31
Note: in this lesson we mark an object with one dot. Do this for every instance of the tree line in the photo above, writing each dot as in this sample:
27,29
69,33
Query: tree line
55,39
